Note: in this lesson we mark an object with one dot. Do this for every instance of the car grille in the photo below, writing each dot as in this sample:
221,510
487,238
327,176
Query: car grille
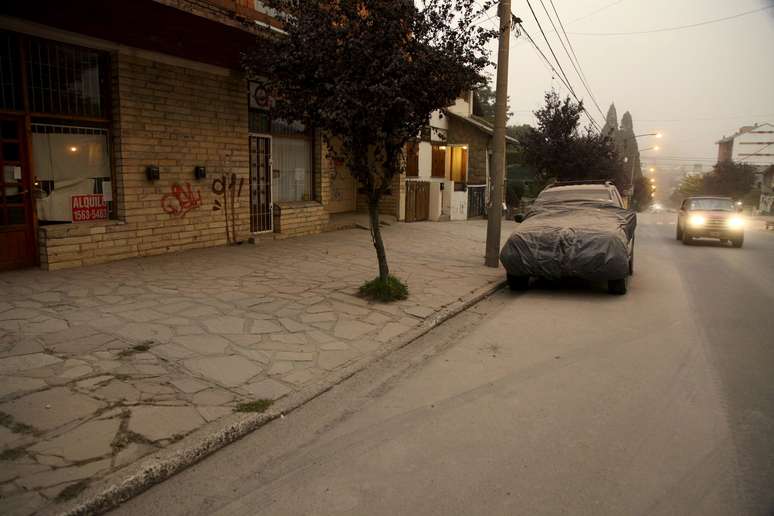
716,223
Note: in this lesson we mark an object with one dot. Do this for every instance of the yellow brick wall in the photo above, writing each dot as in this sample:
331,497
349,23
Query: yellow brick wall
175,118
298,219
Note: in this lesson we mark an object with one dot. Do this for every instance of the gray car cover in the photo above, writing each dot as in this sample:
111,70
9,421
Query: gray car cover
581,239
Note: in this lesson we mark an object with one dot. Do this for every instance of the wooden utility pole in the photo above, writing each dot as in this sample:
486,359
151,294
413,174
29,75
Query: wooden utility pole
494,217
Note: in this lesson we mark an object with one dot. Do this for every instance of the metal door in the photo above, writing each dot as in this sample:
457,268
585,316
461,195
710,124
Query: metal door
476,201
261,207
17,233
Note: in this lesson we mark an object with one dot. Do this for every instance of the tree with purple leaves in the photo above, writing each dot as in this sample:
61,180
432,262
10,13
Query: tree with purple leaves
368,74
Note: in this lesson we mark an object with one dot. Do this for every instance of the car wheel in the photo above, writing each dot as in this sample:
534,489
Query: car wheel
679,235
737,242
687,239
617,287
518,282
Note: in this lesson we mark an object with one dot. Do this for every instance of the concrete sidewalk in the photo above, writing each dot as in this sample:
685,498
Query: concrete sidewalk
103,365
763,222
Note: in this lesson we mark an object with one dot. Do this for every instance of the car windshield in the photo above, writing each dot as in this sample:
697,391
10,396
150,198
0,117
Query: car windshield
576,194
711,204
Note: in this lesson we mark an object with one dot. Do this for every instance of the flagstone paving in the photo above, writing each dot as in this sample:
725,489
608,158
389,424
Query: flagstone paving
102,365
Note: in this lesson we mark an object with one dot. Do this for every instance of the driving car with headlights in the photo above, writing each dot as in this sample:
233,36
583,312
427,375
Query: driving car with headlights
710,217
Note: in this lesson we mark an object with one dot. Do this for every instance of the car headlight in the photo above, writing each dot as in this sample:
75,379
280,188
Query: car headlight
697,221
736,223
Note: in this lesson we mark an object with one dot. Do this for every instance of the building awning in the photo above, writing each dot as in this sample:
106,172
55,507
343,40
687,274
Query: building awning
216,37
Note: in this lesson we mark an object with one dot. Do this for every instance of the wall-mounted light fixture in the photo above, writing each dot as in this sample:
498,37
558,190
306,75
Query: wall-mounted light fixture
200,172
152,173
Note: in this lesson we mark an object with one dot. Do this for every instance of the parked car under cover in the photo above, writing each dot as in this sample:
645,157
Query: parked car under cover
573,231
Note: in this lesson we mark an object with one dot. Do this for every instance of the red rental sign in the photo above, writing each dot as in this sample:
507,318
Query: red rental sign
89,207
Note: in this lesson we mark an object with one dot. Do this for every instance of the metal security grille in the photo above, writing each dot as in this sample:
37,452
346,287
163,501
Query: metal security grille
261,207
65,80
67,129
476,201
10,78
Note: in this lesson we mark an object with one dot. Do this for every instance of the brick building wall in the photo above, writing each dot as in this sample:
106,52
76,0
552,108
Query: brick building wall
175,118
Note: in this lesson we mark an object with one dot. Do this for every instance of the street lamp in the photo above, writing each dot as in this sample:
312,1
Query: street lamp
630,190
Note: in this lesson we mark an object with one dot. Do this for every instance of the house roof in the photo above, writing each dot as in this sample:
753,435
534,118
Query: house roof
479,123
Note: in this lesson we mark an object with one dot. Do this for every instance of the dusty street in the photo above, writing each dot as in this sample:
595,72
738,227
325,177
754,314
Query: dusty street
561,400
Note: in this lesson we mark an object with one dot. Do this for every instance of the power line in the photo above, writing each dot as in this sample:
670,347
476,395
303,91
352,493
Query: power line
559,64
579,68
592,13
611,4
737,117
545,59
551,67
669,29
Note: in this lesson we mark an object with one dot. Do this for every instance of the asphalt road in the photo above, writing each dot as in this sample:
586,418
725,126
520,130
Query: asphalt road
560,400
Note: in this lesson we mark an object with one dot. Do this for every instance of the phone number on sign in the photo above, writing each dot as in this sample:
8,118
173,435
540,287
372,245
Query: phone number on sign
90,214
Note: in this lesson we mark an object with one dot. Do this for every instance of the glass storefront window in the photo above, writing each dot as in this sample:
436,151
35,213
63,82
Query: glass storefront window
292,169
69,162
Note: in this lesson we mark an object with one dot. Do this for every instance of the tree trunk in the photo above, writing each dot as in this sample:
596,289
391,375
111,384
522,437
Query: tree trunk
376,237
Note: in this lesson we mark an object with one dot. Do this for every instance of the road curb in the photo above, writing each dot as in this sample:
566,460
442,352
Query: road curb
136,478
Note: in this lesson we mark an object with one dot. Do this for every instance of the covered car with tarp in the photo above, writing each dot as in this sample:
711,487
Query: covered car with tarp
573,231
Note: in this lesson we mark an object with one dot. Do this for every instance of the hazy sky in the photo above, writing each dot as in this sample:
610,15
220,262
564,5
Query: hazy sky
693,85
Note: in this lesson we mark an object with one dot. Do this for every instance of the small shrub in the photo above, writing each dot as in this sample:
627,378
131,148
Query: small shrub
385,291
253,406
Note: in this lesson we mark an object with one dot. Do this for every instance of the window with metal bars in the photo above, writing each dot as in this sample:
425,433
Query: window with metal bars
10,78
65,79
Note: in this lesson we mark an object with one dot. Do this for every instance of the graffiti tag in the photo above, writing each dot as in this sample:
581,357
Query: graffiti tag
180,200
226,187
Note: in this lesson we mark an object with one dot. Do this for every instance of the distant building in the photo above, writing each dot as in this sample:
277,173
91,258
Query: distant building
752,144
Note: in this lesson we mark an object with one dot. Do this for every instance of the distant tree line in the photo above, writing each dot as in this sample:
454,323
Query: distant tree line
727,179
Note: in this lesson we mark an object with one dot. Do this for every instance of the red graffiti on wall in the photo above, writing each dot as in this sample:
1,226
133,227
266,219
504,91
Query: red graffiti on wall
180,200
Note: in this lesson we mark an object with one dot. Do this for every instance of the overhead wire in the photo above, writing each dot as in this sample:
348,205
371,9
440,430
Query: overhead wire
669,29
592,13
579,68
559,64
557,74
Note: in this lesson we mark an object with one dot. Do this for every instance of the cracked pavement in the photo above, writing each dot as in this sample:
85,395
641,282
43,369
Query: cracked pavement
103,365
